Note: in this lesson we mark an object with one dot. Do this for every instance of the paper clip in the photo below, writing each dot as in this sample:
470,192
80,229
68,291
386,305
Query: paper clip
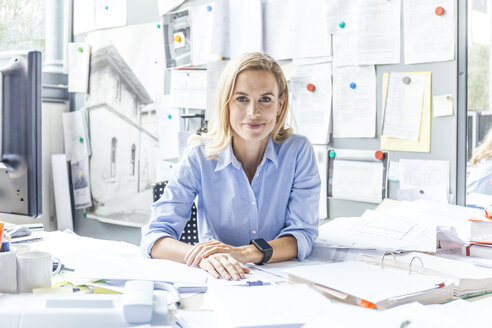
411,261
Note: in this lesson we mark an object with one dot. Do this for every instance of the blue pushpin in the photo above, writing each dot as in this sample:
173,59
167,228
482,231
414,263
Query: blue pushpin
209,8
331,153
353,85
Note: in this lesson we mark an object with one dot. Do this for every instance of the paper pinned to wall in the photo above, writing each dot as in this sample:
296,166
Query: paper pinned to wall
168,123
189,88
357,180
76,135
443,105
423,143
428,31
201,30
214,70
81,183
61,188
370,36
296,29
311,94
417,173
167,5
403,106
109,13
78,67
321,153
354,102
83,16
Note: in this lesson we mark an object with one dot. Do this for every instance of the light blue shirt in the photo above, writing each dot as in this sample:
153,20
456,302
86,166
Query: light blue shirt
281,200
480,179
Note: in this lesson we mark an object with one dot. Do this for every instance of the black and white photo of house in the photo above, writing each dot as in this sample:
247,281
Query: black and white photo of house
124,142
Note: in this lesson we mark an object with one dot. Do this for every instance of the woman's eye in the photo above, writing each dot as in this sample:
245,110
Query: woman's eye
241,99
265,99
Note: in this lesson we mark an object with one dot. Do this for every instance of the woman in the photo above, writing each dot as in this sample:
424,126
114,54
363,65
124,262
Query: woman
480,179
257,184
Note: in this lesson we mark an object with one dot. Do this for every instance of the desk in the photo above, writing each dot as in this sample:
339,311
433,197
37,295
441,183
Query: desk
107,248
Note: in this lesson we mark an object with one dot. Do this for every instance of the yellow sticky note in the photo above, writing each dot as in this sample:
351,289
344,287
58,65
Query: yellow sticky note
423,144
443,105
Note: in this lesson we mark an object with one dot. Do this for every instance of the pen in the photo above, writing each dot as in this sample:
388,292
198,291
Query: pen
29,240
254,283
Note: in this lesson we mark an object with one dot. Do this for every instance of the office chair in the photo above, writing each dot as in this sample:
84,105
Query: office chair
190,231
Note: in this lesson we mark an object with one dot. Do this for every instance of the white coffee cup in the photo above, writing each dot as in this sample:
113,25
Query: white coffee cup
8,272
34,270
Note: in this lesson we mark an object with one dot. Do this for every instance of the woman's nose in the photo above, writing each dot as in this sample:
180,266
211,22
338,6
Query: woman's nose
253,110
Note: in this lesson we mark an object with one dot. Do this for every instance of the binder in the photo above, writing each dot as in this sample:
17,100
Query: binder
468,279
372,286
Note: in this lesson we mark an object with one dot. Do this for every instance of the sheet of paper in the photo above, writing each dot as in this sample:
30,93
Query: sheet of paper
81,183
109,13
312,109
296,29
189,89
428,37
220,46
78,67
403,106
370,36
423,143
61,189
340,11
253,306
76,135
417,173
383,231
443,105
241,14
436,194
321,153
358,181
167,5
177,38
378,284
394,171
201,31
83,16
354,102
214,71
168,122
463,313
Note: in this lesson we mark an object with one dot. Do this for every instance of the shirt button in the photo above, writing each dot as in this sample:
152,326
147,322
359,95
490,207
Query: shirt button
253,203
254,232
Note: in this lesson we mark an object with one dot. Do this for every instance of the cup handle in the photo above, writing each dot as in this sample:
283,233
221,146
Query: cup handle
58,267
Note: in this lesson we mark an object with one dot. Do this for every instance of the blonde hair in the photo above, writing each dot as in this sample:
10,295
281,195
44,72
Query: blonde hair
484,150
220,132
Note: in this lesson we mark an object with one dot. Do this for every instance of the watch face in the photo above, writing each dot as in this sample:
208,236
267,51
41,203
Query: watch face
262,244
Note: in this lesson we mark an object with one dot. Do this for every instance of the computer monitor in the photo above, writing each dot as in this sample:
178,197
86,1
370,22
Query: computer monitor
20,133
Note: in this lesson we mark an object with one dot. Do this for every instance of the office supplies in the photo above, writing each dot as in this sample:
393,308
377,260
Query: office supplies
23,240
2,225
137,301
481,228
380,288
34,270
19,231
8,272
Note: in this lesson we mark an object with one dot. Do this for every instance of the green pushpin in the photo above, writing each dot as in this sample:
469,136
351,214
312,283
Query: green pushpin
81,49
158,25
106,7
169,116
85,215
341,24
331,153
81,140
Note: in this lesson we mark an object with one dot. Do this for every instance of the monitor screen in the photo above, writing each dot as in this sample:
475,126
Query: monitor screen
20,133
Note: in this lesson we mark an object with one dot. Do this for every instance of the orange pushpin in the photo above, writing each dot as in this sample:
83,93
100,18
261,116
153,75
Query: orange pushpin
439,11
310,87
379,155
177,38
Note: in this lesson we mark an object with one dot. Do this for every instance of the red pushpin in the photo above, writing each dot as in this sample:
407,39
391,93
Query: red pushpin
379,155
439,11
310,87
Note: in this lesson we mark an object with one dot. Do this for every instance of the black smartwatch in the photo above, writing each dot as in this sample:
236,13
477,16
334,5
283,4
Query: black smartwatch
263,247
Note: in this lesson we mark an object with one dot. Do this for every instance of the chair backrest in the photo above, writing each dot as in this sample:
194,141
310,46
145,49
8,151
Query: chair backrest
190,231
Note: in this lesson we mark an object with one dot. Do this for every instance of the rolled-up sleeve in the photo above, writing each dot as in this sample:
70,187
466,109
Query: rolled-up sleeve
302,211
171,212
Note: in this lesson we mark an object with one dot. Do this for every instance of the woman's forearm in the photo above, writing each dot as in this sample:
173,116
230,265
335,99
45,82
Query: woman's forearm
168,248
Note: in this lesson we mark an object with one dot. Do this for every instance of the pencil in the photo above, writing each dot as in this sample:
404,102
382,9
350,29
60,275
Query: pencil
1,231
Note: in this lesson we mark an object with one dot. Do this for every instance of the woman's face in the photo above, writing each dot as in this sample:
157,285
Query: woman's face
254,105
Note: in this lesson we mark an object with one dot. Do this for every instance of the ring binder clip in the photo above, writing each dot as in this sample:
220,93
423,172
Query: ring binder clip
411,261
387,253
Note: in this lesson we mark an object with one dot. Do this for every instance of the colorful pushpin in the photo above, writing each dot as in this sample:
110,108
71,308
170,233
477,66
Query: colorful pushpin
332,154
81,49
439,11
341,24
177,38
158,25
106,7
81,140
209,8
169,116
353,85
85,215
406,80
310,87
379,155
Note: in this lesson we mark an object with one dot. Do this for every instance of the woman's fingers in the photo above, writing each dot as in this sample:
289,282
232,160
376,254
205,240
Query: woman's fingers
225,265
191,255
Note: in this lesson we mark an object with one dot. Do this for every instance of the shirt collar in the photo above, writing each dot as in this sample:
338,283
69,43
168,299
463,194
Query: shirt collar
227,156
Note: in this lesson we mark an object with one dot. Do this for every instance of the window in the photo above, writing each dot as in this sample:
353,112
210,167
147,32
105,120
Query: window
112,169
117,95
132,161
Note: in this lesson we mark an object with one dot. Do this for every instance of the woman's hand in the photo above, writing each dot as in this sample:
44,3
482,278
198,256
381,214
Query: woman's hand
203,250
222,265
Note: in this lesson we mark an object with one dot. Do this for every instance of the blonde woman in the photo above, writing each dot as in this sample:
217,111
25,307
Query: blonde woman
257,183
480,179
